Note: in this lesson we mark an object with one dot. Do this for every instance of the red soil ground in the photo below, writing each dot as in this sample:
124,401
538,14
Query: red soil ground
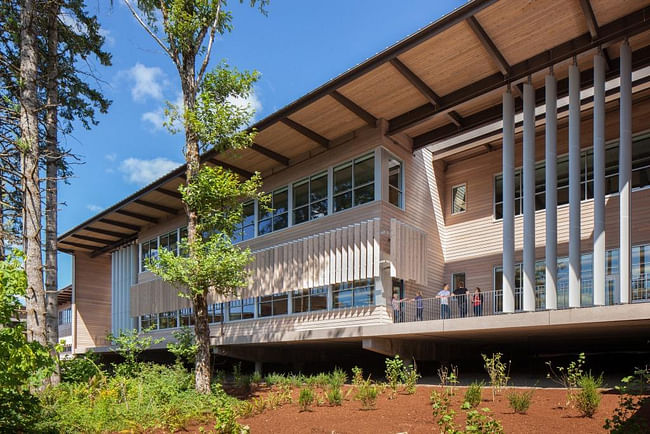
413,414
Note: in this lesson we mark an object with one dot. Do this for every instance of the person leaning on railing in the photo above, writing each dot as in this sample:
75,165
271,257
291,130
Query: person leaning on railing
419,306
477,302
444,295
461,298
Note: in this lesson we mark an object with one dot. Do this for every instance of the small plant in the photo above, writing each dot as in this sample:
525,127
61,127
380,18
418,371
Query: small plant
443,374
498,371
568,376
306,398
442,413
481,422
473,394
130,344
334,395
410,378
256,378
367,394
357,376
185,347
587,399
453,379
622,421
394,369
520,401
338,377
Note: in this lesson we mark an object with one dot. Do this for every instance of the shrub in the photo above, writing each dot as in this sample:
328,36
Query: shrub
520,401
448,377
357,376
473,394
130,344
274,378
334,396
256,378
394,369
410,378
623,420
80,368
587,399
306,398
185,347
482,422
498,372
338,377
367,394
569,376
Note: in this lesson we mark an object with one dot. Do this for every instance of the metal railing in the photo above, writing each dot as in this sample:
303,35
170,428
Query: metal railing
455,306
491,302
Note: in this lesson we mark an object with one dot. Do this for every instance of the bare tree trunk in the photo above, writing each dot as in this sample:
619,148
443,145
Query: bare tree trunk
29,149
2,216
51,184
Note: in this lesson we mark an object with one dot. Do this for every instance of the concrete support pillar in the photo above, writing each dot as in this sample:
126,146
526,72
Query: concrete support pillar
508,202
529,198
599,180
625,173
258,367
575,186
551,192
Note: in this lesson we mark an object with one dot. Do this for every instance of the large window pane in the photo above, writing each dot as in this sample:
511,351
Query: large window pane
364,194
343,178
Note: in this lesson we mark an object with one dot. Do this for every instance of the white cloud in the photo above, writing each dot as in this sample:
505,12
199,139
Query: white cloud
111,157
71,22
94,208
142,172
110,40
157,117
252,101
146,82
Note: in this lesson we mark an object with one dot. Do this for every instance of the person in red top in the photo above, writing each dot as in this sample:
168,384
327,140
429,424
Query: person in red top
477,302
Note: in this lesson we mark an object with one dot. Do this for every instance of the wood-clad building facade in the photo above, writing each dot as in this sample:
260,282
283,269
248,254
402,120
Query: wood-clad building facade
424,165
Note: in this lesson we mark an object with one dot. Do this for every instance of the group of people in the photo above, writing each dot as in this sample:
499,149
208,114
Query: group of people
460,295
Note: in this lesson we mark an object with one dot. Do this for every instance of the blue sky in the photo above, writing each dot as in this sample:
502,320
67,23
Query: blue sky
296,48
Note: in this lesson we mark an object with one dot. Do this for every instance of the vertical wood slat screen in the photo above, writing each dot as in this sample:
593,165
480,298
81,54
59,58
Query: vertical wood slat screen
408,252
341,255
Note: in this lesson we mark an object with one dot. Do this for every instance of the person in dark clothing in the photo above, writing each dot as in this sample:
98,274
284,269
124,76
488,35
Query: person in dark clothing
461,299
477,302
419,306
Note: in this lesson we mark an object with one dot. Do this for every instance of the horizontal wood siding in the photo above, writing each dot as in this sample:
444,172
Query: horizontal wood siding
408,252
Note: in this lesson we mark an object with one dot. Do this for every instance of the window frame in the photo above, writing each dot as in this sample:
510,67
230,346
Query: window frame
310,202
353,185
452,201
400,190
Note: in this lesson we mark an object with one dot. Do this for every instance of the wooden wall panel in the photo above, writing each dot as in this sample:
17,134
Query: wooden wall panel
407,256
92,300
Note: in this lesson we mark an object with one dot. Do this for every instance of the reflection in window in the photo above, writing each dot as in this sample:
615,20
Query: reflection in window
310,198
309,300
272,305
241,309
353,294
459,199
395,180
186,316
149,250
354,183
215,312
169,241
149,321
245,230
276,217
167,320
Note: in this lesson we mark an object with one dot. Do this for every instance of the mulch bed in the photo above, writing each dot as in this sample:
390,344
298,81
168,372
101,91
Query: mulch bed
413,414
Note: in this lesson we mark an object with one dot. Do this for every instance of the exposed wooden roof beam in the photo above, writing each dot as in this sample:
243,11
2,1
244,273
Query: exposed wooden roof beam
120,224
424,89
592,25
80,245
93,239
489,45
170,193
104,232
112,246
270,154
237,170
495,113
626,26
311,135
137,215
359,111
152,205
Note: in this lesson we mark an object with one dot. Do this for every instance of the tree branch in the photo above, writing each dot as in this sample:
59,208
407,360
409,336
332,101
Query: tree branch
213,32
147,28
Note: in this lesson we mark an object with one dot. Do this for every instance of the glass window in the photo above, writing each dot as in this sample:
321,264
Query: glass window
245,230
149,249
65,316
354,183
168,320
276,217
353,294
309,300
183,239
169,241
458,199
395,180
187,317
241,309
215,312
149,321
310,198
272,305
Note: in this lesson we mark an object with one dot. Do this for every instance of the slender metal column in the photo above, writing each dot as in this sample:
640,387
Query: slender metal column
508,202
625,172
574,186
599,180
551,192
529,197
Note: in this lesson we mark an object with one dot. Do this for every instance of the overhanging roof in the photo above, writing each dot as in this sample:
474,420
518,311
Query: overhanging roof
444,80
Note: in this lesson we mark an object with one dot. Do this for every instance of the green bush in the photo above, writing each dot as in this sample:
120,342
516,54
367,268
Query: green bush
394,369
498,371
520,401
473,394
80,368
587,398
367,394
623,420
334,396
357,376
410,377
306,398
338,378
